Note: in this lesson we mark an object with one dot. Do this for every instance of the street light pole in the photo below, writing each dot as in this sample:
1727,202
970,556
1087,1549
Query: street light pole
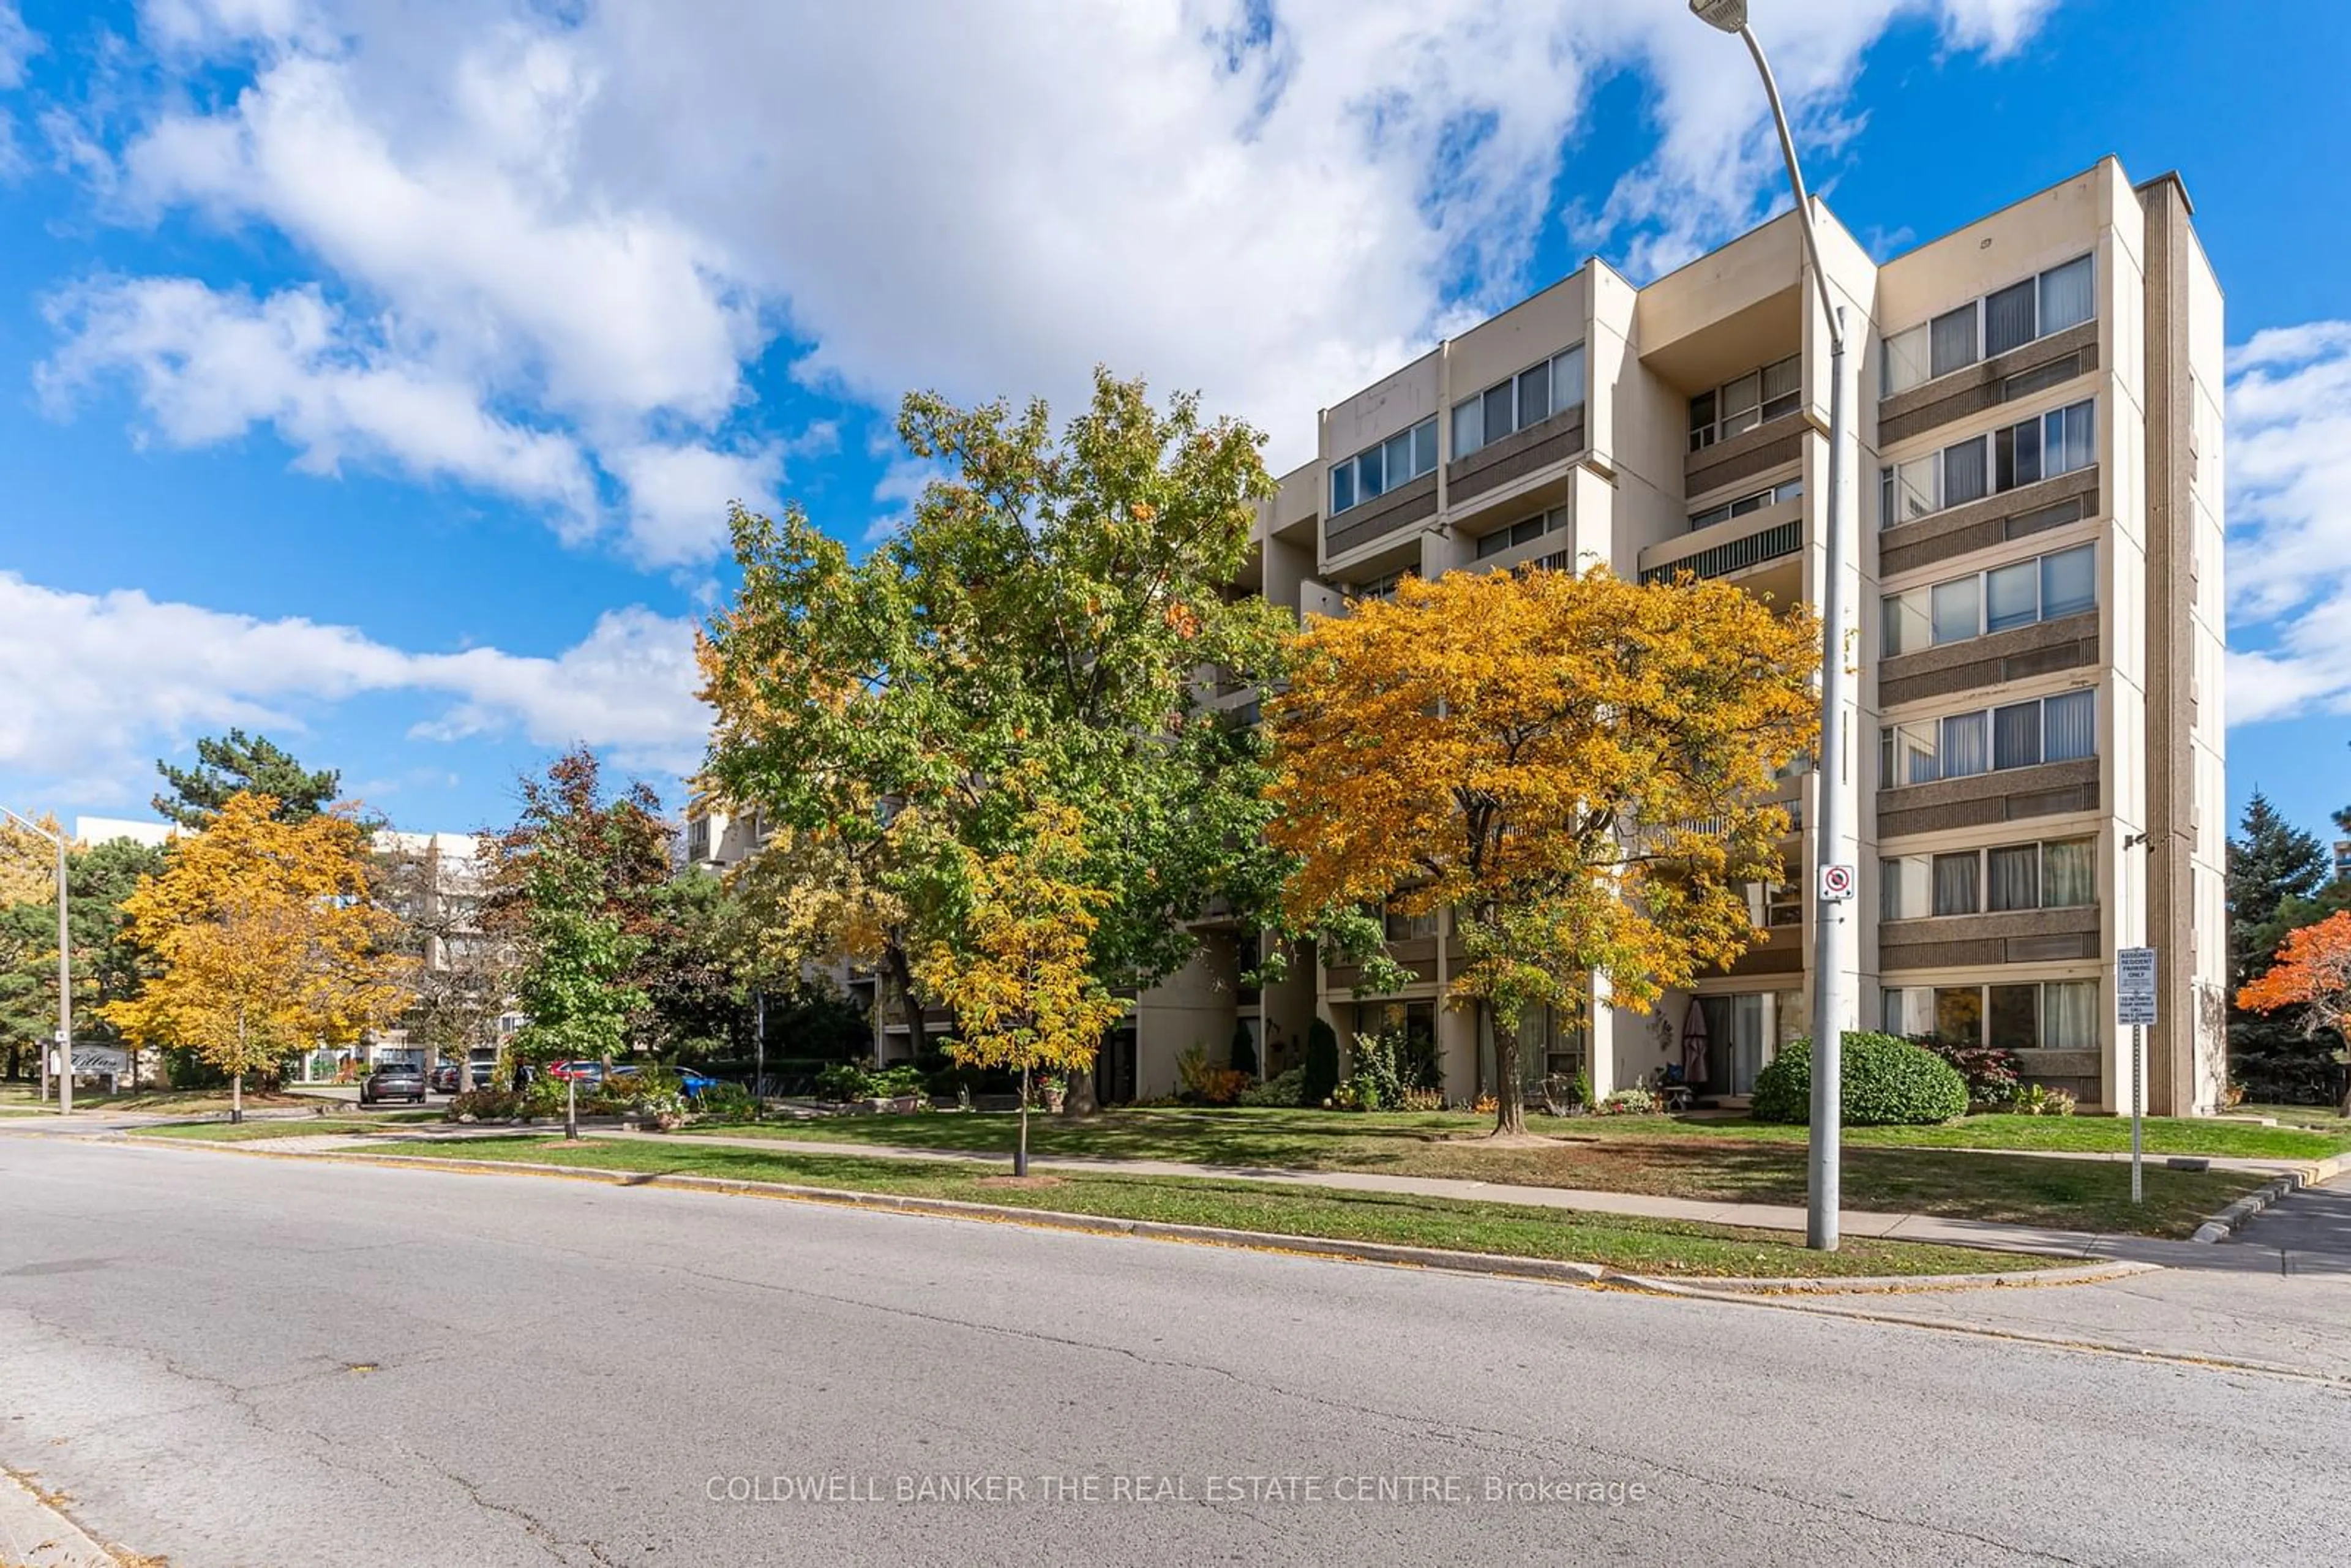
65,966
1829,818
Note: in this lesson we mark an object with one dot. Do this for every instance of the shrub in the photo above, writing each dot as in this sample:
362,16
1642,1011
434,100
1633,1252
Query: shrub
484,1105
1374,1086
727,1103
1289,1089
1417,1066
1422,1100
1322,1072
1635,1099
1886,1082
844,1080
2040,1100
1244,1052
891,1082
1989,1071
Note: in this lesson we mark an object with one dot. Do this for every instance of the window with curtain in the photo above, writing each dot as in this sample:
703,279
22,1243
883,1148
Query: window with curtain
1534,395
1904,623
1889,1011
1957,891
1906,491
1957,611
1964,749
1782,386
2012,596
2009,317
2016,734
1469,425
1498,416
2069,1015
2012,878
1567,379
2070,726
1953,336
2015,1016
2069,871
2066,297
1964,477
2069,582
1905,363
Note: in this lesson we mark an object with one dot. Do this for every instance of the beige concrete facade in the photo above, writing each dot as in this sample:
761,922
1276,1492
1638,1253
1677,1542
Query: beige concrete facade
2017,756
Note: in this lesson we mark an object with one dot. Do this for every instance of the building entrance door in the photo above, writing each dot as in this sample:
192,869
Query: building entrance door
1734,1042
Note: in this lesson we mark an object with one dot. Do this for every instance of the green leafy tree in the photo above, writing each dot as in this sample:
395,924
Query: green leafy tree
1051,605
574,886
696,989
2277,884
108,965
237,763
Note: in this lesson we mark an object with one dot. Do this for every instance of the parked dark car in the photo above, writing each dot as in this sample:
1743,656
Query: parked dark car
393,1081
481,1072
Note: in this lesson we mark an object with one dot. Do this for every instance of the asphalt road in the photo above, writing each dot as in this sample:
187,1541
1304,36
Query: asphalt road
243,1361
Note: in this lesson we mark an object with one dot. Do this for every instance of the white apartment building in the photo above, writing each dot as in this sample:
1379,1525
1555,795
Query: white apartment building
2036,733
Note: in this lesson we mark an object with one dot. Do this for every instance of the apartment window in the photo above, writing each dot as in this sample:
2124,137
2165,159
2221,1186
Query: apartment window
1956,883
1380,586
1523,532
1531,396
2012,878
2057,874
2007,319
2019,594
1780,904
1742,404
2015,735
1376,470
1786,490
1958,1013
1403,927
2058,442
2016,1015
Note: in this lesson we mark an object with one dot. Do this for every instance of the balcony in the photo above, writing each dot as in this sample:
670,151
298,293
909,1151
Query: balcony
1727,548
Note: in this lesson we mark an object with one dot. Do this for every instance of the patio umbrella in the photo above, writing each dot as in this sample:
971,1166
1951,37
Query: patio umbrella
1693,1044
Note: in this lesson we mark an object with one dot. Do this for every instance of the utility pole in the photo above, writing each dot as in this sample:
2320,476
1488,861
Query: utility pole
65,967
1834,881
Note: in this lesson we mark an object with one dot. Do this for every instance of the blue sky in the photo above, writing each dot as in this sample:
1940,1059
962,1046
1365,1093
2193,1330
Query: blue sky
375,373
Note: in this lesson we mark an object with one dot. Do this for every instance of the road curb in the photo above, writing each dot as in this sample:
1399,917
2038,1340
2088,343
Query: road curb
2232,1219
36,1533
1499,1265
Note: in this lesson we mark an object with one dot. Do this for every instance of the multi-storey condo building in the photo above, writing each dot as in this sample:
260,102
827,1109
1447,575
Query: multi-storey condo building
2035,735
2036,731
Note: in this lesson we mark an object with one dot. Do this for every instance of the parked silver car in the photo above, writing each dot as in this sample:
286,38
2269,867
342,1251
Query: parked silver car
393,1081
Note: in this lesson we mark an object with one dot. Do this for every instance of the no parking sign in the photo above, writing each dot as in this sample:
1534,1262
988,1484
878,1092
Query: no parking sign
1837,882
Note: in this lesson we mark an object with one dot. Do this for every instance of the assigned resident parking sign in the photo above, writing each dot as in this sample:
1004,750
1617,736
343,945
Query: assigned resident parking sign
2134,986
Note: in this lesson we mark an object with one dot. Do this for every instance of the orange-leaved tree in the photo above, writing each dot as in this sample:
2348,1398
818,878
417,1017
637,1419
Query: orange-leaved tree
267,941
2313,972
1021,980
1576,766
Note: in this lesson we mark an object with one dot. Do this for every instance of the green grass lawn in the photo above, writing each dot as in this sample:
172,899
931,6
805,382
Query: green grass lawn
1246,1136
257,1131
1724,1162
1646,1245
169,1102
2325,1119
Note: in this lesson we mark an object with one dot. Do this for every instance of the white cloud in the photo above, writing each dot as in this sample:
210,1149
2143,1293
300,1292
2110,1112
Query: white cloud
2289,483
207,366
678,495
601,216
99,682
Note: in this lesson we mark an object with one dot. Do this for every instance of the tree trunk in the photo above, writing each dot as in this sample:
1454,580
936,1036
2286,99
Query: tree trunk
1080,1099
901,978
1509,1101
235,1098
1020,1150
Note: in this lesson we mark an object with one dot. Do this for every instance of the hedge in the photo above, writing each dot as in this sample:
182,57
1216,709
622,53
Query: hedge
1885,1082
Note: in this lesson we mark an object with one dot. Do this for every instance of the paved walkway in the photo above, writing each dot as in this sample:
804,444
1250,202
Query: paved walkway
2305,1232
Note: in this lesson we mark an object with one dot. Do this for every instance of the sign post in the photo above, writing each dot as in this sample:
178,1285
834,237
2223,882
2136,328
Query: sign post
2134,1005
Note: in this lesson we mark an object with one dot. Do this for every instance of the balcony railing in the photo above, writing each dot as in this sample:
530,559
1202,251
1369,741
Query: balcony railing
1735,554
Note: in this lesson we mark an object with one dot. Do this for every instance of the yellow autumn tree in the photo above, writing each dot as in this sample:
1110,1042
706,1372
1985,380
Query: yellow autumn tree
28,864
267,941
1019,977
1575,766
